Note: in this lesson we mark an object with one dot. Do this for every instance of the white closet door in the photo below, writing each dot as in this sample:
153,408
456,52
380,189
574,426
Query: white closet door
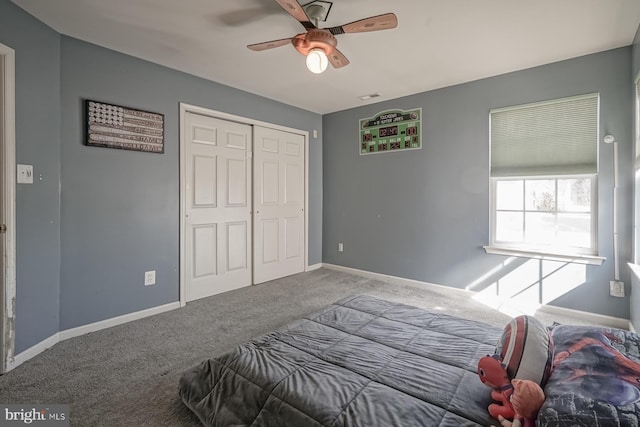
278,204
218,206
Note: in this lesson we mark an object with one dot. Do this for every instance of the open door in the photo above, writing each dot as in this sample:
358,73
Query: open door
7,207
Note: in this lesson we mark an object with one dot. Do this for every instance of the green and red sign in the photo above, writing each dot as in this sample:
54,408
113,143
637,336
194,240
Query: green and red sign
392,130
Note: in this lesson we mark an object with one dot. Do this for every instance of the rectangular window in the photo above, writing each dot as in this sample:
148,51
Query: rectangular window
544,176
546,214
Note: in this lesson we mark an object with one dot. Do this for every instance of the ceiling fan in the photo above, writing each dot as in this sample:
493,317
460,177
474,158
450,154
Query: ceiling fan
319,44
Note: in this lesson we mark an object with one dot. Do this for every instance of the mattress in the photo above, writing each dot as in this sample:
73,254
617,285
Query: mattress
361,361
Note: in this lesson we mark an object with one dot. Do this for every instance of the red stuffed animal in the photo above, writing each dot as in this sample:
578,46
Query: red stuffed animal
527,399
494,374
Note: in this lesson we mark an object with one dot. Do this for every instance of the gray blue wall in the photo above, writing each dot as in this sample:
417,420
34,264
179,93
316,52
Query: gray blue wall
635,281
100,218
424,214
37,76
120,209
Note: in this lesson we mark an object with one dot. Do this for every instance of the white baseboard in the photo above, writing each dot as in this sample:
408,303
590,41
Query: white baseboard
115,321
32,352
453,292
314,267
600,319
610,321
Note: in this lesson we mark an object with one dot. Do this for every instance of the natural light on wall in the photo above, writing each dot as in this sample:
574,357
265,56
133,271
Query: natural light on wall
525,288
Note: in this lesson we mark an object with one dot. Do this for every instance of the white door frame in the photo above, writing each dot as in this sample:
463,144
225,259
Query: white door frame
8,214
187,108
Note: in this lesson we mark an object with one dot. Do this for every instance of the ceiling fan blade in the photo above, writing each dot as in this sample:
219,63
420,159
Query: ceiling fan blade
294,9
269,45
337,59
375,23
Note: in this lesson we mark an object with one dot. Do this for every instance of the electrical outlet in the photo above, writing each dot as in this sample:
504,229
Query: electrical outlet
340,247
616,288
149,278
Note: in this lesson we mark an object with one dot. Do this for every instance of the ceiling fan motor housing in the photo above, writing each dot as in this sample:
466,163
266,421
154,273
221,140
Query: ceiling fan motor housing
315,39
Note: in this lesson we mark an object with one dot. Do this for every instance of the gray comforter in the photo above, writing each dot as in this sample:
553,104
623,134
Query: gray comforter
362,361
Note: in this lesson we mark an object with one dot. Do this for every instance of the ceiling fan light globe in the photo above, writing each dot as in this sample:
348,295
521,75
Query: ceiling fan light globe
317,61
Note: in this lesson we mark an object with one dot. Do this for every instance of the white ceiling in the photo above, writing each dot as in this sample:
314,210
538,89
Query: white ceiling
437,43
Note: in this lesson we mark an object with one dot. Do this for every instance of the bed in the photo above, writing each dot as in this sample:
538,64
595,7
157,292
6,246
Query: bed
364,361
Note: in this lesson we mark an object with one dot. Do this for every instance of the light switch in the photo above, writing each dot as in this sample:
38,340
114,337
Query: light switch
25,174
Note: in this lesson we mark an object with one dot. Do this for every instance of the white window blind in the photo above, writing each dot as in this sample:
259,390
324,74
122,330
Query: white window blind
547,138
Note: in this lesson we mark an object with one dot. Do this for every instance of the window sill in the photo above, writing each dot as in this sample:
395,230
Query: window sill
573,258
635,269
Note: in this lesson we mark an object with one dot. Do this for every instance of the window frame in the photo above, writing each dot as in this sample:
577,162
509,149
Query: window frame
542,248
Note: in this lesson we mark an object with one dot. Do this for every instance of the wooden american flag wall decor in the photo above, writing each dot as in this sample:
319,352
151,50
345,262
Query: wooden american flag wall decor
114,126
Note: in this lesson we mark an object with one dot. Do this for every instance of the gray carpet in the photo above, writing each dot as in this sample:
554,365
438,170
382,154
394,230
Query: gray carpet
128,375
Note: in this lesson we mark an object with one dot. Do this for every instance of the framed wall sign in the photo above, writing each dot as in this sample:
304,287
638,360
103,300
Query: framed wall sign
391,130
114,126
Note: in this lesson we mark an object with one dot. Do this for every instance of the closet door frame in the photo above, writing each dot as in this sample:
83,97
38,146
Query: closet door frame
184,108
